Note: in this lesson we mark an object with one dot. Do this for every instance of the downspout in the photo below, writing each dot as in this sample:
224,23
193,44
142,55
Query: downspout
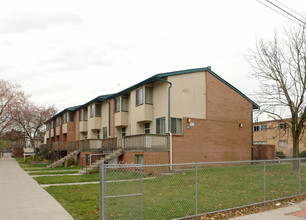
169,132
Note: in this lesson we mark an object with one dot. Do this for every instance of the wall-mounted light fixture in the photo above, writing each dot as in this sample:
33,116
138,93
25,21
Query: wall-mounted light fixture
240,125
188,120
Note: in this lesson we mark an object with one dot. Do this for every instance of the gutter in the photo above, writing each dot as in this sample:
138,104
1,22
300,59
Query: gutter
169,117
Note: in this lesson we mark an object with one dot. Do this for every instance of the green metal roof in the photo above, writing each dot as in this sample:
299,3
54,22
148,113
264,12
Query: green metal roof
152,79
162,75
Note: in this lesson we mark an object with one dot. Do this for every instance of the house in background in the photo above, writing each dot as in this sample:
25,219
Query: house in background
176,117
277,133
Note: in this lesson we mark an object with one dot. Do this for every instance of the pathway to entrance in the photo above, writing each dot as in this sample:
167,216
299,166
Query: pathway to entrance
22,198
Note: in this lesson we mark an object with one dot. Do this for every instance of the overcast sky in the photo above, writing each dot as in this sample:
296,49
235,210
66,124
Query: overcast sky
67,52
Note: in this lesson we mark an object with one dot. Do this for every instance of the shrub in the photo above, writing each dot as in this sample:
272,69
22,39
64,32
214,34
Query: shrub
280,154
303,153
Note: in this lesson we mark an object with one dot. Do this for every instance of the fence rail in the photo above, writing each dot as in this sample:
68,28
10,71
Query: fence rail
146,142
188,190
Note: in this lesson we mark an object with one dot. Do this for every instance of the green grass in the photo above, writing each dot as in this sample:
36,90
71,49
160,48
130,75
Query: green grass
49,169
51,173
67,179
172,196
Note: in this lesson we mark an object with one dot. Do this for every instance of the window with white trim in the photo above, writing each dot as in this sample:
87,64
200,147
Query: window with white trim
139,159
282,143
149,95
264,127
124,104
139,96
160,125
98,110
117,104
176,126
92,110
147,128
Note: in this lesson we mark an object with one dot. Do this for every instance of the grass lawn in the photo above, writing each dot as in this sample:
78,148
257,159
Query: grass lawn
57,172
173,196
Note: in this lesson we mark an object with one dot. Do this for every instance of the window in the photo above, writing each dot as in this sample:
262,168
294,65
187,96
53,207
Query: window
47,127
92,110
176,126
260,142
139,96
139,159
263,127
104,132
58,121
282,143
98,109
81,115
282,125
98,134
256,128
117,104
64,118
149,95
52,124
160,126
124,104
85,114
71,116
147,128
123,132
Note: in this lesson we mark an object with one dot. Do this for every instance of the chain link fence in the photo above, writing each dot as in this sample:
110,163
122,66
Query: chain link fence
179,191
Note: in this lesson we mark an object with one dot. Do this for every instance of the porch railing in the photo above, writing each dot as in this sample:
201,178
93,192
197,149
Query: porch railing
146,142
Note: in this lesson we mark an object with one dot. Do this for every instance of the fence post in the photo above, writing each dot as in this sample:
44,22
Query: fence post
264,181
196,187
299,176
141,191
102,188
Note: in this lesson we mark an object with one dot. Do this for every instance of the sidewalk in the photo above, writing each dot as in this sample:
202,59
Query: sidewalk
293,212
21,197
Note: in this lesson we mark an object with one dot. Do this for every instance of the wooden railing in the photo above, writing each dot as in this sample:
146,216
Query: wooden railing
146,142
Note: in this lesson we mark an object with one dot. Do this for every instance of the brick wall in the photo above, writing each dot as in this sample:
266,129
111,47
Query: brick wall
148,157
218,137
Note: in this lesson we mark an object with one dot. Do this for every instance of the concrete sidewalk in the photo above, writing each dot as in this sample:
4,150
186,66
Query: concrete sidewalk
22,198
293,212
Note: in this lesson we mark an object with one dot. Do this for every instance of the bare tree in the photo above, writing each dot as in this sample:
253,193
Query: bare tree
10,94
30,118
280,67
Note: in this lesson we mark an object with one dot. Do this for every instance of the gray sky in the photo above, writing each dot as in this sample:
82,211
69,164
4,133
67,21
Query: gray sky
67,52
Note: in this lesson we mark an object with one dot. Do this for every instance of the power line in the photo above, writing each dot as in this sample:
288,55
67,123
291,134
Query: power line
291,9
277,11
285,11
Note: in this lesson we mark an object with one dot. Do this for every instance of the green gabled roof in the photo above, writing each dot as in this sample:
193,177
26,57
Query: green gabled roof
162,75
153,79
70,109
101,98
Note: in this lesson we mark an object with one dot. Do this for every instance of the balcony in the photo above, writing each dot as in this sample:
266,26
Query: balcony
83,126
57,130
64,128
146,143
95,145
121,119
94,123
144,113
47,134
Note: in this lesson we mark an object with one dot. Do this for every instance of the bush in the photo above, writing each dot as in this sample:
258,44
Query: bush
303,153
71,162
280,154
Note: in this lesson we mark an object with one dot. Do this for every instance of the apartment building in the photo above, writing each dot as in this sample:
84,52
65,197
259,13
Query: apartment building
277,133
183,116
